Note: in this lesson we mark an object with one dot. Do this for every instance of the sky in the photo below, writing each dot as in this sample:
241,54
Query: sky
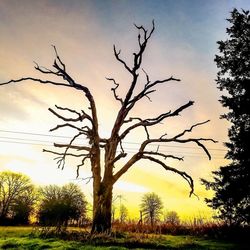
183,45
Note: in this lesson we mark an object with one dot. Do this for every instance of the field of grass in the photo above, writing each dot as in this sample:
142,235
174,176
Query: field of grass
27,238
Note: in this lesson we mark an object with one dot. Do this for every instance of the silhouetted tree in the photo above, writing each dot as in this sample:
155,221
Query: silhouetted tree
61,204
105,170
231,183
123,213
113,212
15,188
151,207
23,206
172,218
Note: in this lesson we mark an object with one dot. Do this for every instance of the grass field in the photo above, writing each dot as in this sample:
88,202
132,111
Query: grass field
26,238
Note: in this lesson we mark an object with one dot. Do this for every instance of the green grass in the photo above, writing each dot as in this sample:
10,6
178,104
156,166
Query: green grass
25,238
22,238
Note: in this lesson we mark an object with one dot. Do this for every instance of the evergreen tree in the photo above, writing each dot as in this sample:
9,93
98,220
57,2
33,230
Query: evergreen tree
231,183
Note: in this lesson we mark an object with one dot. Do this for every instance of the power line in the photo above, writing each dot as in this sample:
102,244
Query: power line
20,142
28,133
29,141
172,146
23,139
128,150
186,154
176,152
68,137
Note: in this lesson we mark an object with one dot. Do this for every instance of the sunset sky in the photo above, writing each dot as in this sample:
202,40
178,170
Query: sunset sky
183,45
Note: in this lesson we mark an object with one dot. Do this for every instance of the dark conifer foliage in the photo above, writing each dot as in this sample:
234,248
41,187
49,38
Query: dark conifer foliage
231,183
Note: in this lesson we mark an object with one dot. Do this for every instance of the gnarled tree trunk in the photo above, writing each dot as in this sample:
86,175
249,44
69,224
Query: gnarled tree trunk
102,213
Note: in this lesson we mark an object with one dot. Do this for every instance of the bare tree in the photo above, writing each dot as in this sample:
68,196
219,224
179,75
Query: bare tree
123,125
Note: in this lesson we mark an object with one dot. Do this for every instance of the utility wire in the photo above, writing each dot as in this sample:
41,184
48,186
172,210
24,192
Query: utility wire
24,139
68,137
128,150
21,142
28,133
30,141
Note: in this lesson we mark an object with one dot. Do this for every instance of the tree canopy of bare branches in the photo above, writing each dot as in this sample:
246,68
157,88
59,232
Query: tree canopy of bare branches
123,126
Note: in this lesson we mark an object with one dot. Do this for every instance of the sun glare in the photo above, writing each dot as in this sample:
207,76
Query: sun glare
131,187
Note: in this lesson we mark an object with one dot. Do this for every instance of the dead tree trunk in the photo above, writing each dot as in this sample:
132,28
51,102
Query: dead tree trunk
102,215
113,146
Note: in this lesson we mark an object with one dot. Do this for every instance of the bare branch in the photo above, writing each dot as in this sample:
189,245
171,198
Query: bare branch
164,135
64,74
80,117
165,156
147,133
92,134
142,41
153,121
86,178
62,154
184,175
147,77
127,166
71,141
61,160
64,118
82,130
190,129
61,71
114,90
127,104
146,155
45,70
177,139
81,164
118,157
35,80
198,142
117,56
148,88
68,109
59,59
77,147
121,146
146,95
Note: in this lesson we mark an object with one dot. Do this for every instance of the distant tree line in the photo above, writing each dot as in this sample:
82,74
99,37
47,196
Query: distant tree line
21,203
50,205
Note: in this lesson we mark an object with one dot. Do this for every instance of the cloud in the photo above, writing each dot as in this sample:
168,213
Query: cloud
131,187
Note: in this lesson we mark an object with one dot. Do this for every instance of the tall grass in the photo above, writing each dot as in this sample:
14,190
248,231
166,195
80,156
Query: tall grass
209,229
